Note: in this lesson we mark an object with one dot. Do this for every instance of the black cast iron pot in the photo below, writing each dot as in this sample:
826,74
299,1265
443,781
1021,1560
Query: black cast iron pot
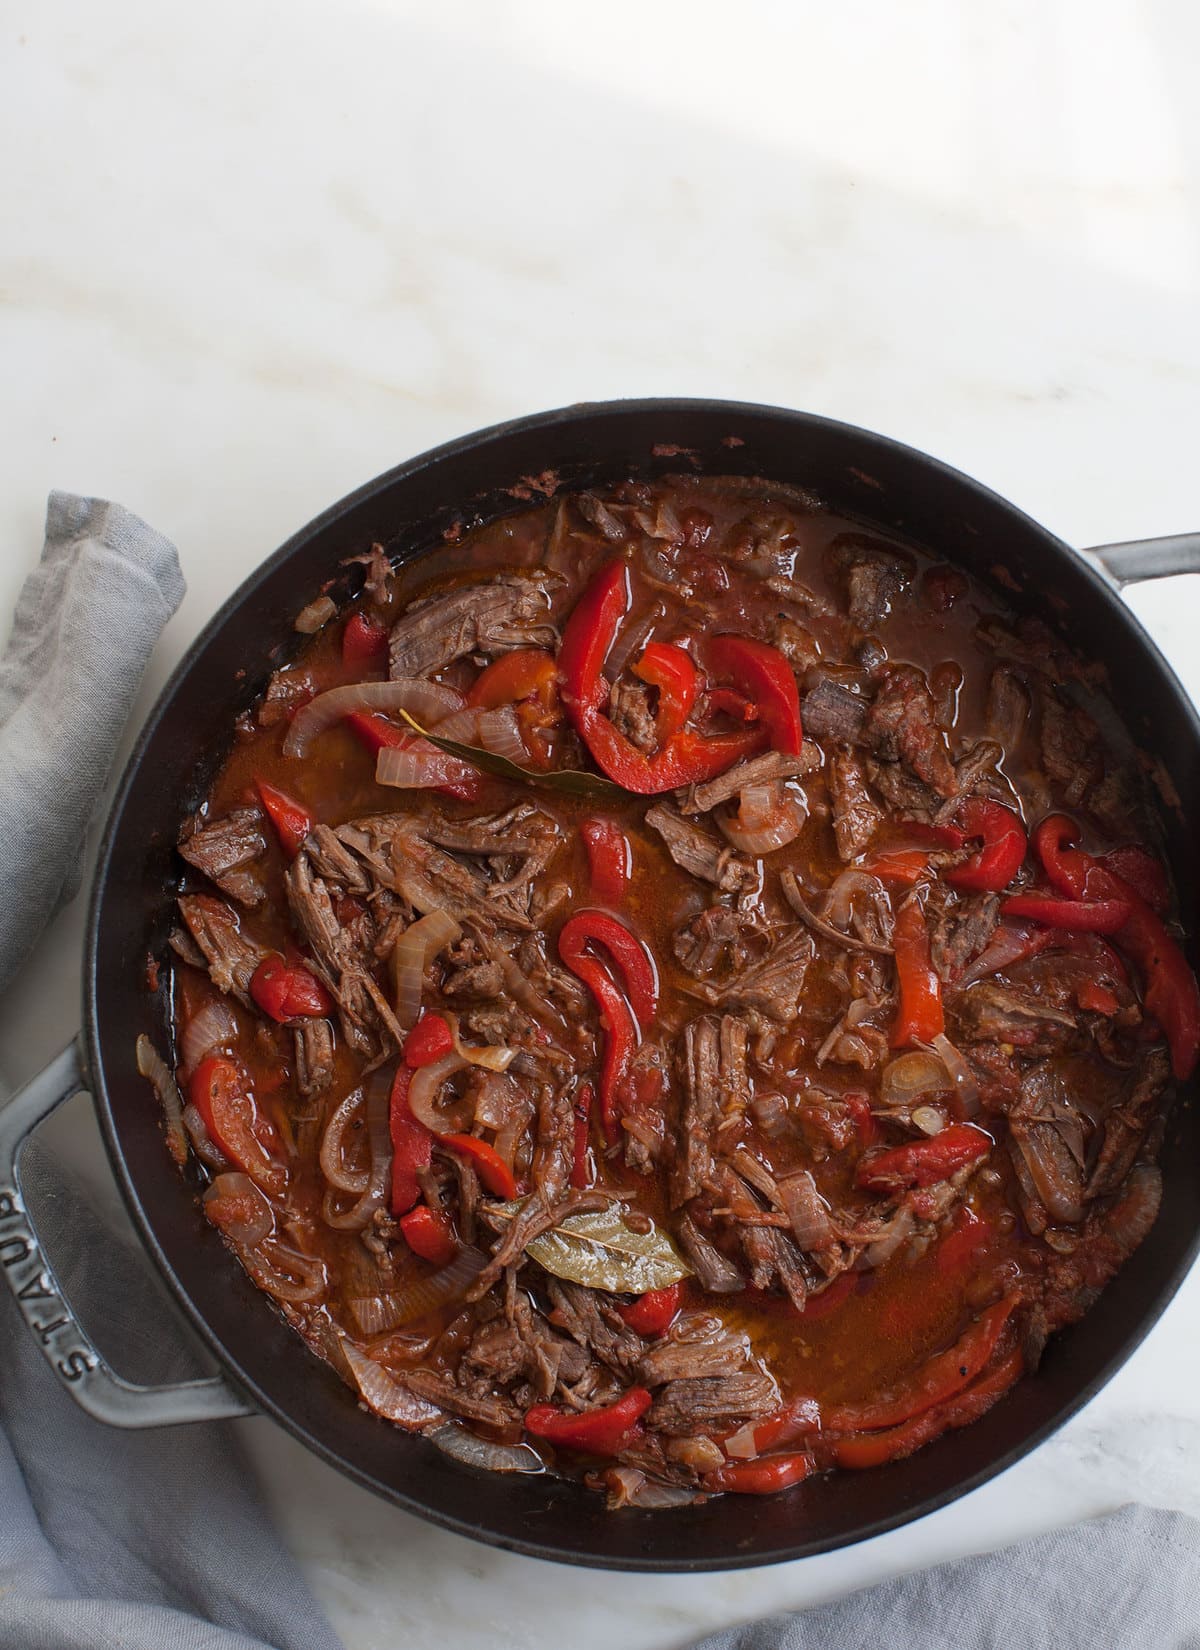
265,1365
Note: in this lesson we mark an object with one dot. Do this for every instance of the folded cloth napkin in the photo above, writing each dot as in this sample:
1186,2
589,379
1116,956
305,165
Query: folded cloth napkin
153,1540
1129,1581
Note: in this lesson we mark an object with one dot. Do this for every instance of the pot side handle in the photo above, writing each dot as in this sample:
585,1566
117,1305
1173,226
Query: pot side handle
68,1350
1138,559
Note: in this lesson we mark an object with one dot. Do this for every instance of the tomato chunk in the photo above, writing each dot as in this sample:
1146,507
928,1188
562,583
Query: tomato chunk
430,1234
220,1091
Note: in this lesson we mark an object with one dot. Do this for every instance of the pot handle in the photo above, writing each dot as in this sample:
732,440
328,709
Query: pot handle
68,1350
1138,559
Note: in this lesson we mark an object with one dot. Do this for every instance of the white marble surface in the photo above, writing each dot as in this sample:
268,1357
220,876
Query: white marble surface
254,253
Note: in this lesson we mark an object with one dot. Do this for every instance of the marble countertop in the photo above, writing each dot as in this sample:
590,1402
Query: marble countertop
254,255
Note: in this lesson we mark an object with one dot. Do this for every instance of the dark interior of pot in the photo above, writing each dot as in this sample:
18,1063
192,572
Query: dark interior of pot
408,510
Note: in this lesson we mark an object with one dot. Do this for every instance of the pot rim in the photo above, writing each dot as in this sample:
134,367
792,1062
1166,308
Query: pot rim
549,421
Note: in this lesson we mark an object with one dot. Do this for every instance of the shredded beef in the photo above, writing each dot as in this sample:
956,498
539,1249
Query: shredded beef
714,1271
691,1406
700,852
491,616
873,577
314,1057
832,713
856,814
990,1012
756,770
1009,703
902,726
629,712
230,954
1072,754
224,848
695,1347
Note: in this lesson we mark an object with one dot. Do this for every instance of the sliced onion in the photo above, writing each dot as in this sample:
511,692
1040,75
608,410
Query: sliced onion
374,1193
819,925
929,1120
332,1157
284,1272
213,1027
768,817
740,1445
807,1210
153,1067
491,1056
203,1144
259,1223
462,1445
387,1396
897,1231
910,1075
839,904
423,1093
965,1085
310,619
491,730
427,701
1012,942
419,766
377,1313
411,954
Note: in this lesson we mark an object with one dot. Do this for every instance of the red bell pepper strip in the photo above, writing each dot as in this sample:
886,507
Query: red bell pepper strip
291,821
942,1378
588,636
1101,916
904,866
1004,842
610,859
220,1091
924,1162
377,734
491,1168
1170,992
526,673
654,1312
765,1476
286,991
634,963
1145,874
799,1419
686,758
364,642
764,675
602,1431
581,1167
672,672
429,1040
430,1234
919,1018
412,1145
731,703
620,1039
874,1449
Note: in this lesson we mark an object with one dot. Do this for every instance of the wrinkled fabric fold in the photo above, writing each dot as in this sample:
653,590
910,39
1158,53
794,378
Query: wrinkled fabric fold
1128,1581
85,624
153,1540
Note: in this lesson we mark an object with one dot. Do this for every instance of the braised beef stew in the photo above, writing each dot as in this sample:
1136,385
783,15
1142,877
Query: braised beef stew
746,1087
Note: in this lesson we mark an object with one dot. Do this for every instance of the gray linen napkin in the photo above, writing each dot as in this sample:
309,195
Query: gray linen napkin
1129,1581
147,1541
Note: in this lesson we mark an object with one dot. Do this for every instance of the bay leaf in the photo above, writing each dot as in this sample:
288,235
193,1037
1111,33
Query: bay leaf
566,781
600,1250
